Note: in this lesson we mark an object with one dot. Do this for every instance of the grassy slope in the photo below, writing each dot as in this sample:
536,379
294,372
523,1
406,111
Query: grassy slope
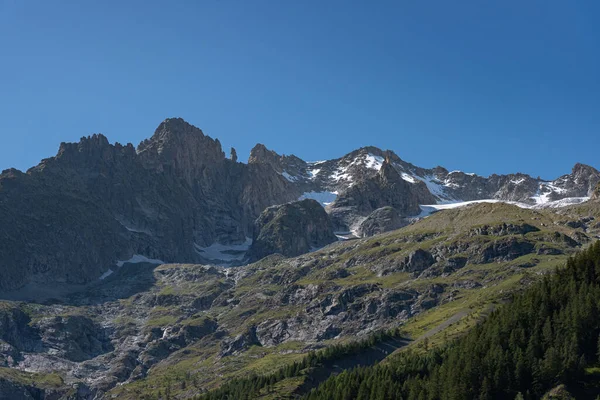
463,310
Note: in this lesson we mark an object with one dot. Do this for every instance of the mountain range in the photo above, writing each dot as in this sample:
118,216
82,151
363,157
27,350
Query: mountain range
178,198
171,271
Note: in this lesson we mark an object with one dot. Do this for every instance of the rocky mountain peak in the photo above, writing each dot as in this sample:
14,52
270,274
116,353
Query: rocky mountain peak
182,149
177,195
292,168
91,152
580,168
87,144
261,155
581,182
388,174
174,135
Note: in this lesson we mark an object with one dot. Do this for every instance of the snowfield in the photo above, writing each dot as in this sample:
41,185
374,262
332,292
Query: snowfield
224,253
325,198
138,258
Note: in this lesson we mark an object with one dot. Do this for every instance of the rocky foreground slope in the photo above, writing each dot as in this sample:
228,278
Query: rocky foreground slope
185,328
77,216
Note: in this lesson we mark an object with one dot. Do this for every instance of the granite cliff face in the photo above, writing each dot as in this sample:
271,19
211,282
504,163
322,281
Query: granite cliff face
76,214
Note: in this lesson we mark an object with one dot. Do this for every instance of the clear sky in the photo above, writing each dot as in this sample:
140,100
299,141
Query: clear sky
480,86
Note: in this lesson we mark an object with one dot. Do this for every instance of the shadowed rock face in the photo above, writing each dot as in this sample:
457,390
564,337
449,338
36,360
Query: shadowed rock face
74,215
292,229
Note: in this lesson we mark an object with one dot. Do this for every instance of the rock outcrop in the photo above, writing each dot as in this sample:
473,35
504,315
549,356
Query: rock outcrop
382,220
292,229
596,193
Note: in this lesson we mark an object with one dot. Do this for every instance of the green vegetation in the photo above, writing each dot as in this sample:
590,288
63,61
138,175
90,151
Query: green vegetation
470,294
271,384
549,335
39,380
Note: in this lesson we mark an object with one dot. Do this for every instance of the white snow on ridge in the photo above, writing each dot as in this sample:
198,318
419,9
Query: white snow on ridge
341,173
567,201
289,177
313,172
408,178
325,198
436,188
137,258
544,191
374,162
460,172
429,209
224,252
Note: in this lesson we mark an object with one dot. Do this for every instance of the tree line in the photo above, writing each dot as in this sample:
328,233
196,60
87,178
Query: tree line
548,335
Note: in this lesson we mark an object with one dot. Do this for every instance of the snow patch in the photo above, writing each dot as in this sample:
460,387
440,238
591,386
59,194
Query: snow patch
408,178
289,177
224,252
373,162
429,209
106,274
436,188
137,258
341,173
136,230
460,172
313,173
369,160
344,236
567,201
132,228
545,190
325,198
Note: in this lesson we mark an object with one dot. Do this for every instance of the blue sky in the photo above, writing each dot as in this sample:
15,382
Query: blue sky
499,86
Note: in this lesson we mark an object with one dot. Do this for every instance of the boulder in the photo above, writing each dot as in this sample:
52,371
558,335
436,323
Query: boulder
382,220
291,229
